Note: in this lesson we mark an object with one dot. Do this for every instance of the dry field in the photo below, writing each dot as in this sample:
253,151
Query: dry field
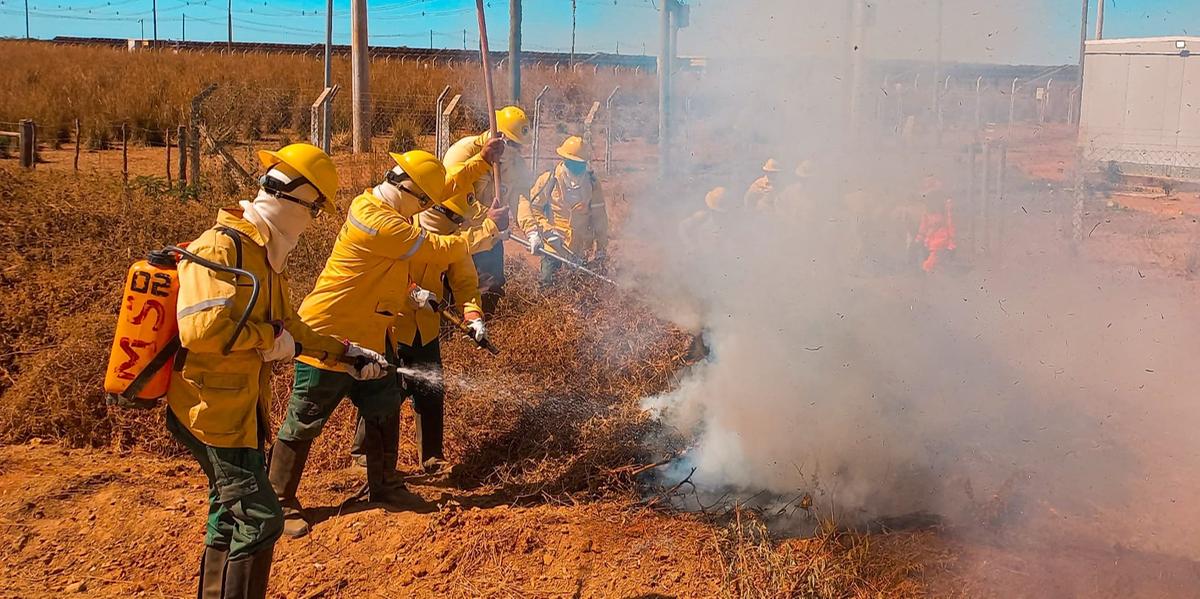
551,498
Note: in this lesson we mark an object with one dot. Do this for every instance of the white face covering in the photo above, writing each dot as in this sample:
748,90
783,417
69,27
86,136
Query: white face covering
404,202
279,221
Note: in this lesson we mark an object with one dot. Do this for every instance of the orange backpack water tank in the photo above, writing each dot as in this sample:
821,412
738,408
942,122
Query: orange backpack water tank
146,327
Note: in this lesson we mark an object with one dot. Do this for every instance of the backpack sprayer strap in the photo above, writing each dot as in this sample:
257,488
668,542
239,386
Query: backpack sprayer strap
129,398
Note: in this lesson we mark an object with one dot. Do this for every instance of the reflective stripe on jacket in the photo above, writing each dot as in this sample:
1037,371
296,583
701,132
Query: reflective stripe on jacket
577,209
220,398
364,285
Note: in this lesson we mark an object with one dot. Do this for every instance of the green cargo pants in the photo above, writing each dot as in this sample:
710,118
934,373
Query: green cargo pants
316,392
244,516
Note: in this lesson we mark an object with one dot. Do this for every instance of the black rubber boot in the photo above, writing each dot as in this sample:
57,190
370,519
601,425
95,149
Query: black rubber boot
287,464
428,416
247,577
212,569
380,444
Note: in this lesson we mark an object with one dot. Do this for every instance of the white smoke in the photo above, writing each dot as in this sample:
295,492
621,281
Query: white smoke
838,368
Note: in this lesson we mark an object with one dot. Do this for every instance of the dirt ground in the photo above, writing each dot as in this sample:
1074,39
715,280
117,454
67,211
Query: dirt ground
87,522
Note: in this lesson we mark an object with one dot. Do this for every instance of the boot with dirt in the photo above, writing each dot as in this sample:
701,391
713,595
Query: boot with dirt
384,485
212,569
287,464
247,577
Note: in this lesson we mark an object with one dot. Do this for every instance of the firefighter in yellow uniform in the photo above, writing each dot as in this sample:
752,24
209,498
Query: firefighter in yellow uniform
761,194
219,398
565,211
512,122
362,289
703,229
416,332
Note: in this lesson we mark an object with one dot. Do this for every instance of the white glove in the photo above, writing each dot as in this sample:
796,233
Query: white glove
373,364
535,242
555,239
478,329
284,348
423,298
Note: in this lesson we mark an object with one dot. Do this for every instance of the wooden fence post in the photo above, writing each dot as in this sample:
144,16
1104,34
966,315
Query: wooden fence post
181,135
125,152
167,143
28,139
77,142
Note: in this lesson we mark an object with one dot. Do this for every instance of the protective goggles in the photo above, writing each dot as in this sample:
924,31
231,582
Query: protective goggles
397,178
284,191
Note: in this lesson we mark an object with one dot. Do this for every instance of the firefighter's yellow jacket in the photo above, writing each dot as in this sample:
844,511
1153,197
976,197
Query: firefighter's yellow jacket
761,195
514,181
224,400
365,283
576,209
463,282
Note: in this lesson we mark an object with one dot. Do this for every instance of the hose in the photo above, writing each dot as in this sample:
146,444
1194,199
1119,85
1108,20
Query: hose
237,272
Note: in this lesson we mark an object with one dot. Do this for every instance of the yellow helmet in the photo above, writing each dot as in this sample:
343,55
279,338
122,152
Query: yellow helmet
459,204
771,166
313,164
573,148
715,199
512,122
425,170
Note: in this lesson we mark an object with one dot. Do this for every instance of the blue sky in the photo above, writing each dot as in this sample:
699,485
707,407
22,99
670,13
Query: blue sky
1050,27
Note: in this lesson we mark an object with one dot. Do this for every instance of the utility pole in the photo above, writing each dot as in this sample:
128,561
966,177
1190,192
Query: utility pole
327,110
229,11
153,18
1083,22
514,49
464,39
573,31
664,88
1099,19
142,24
183,29
359,65
26,19
430,39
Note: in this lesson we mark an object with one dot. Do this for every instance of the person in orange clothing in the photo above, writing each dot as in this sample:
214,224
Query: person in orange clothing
936,231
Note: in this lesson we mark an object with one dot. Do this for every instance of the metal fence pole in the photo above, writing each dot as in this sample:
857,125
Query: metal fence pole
978,102
443,142
1012,102
439,123
537,125
608,133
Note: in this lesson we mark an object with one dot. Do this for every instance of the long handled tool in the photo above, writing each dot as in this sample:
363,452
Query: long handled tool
571,263
443,307
490,93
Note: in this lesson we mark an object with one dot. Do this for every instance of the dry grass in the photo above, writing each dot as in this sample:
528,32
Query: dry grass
260,94
830,564
554,413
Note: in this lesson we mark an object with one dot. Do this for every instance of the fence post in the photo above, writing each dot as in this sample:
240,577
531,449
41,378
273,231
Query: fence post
1012,103
318,125
970,207
167,143
443,141
537,125
439,123
125,153
983,245
608,134
1001,175
76,162
194,134
588,120
181,135
28,143
978,102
